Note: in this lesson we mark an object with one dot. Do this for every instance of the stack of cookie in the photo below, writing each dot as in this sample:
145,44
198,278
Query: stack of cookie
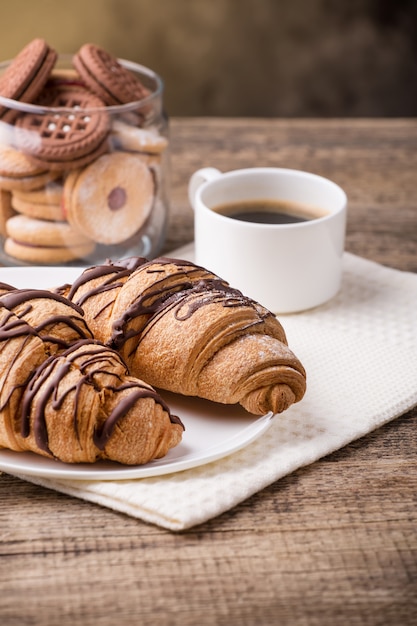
79,172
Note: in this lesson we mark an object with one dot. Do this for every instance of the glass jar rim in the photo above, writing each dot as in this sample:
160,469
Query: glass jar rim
27,107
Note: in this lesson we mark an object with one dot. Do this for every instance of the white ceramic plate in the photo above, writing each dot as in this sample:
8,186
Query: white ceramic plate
212,431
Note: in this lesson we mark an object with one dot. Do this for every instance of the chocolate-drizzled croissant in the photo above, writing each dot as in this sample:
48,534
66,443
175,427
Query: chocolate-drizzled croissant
66,395
182,328
55,319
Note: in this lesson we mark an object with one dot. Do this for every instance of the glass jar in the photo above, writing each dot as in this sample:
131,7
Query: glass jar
81,182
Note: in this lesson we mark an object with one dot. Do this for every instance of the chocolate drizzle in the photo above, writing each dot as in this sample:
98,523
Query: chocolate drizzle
15,297
210,291
115,272
76,322
90,358
193,288
43,375
6,287
11,327
184,297
103,433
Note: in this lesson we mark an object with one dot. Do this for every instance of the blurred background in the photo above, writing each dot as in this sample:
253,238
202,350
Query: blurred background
297,58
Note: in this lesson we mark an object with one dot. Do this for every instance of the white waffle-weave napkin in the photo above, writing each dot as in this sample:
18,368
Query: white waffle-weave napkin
360,353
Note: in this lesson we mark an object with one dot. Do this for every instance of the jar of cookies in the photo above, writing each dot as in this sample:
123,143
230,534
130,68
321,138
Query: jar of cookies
83,158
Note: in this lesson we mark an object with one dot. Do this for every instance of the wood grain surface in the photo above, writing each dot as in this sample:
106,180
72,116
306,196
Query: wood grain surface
333,543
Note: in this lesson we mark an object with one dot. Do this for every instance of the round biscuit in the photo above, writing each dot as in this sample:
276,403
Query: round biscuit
67,76
110,200
36,232
28,183
51,193
15,164
45,211
128,137
42,255
6,209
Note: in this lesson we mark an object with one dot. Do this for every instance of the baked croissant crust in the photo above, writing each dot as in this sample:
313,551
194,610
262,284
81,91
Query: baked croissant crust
55,319
65,395
182,328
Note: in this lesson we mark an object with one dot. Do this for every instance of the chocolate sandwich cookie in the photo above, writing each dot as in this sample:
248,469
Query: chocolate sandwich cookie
110,200
71,133
106,77
25,77
43,242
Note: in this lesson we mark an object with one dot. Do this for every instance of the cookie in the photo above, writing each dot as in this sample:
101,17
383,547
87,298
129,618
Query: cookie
18,172
15,164
39,255
42,242
135,139
110,200
6,209
44,203
72,135
106,77
67,77
27,182
25,77
49,194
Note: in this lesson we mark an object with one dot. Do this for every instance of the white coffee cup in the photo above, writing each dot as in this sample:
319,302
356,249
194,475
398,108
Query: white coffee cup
285,267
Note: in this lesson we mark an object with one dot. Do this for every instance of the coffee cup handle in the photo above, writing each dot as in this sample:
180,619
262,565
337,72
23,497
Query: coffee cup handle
199,178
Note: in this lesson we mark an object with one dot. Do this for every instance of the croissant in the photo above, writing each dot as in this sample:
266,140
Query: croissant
184,329
55,319
65,395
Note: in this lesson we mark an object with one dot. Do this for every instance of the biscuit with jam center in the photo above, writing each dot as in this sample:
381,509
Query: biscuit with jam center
111,199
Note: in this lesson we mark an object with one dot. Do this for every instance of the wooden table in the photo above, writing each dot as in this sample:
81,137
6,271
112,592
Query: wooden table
333,543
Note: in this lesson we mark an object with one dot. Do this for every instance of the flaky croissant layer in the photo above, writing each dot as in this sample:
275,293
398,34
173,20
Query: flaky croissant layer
184,329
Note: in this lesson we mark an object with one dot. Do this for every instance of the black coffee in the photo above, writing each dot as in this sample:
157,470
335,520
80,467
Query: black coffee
269,211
